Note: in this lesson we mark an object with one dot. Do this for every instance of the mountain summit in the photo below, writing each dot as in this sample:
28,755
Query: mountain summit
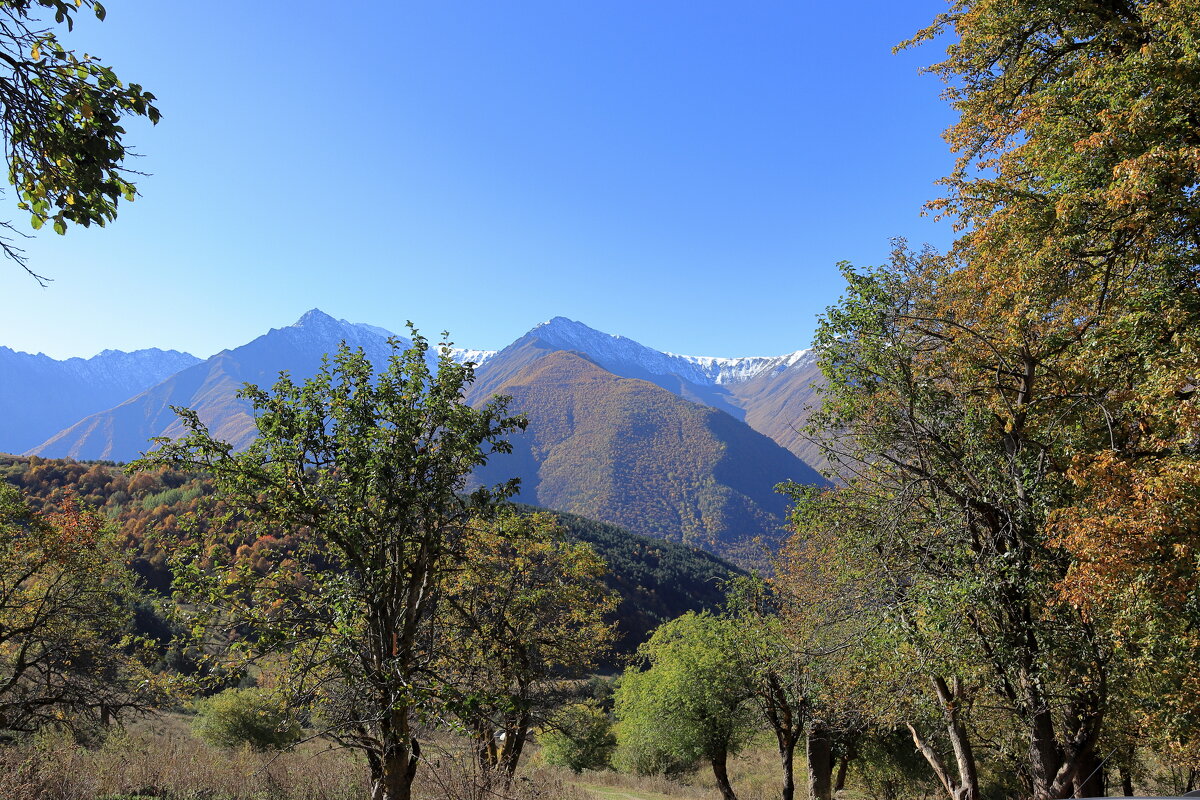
772,394
622,354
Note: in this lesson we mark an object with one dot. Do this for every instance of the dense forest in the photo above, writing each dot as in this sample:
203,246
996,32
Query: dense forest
155,513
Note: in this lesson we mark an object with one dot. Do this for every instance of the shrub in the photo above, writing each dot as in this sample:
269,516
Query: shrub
582,738
253,717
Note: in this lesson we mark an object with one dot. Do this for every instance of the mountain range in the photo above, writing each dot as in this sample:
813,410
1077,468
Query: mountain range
683,448
39,395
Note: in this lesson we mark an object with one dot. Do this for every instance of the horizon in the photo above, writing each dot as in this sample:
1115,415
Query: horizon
363,323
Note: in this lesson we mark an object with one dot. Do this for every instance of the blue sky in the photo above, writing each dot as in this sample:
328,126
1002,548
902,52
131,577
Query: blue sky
683,172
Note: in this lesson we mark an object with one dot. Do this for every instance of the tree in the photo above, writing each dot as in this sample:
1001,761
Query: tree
956,463
1075,282
524,611
369,471
827,607
67,656
781,678
60,119
690,703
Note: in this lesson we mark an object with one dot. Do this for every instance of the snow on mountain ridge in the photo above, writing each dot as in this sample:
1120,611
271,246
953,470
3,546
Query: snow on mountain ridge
704,370
375,342
117,366
477,357
571,335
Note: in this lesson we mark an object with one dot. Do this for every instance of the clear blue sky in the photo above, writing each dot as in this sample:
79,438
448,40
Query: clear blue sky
683,172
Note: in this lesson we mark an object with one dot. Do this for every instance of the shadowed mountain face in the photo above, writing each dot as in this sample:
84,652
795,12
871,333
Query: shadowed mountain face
40,396
629,452
210,387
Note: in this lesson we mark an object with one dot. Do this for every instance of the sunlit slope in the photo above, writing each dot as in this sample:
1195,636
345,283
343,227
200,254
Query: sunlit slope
774,396
629,452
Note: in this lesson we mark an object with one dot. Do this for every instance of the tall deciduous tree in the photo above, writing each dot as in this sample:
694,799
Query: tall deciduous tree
1077,284
956,465
371,469
791,649
60,120
1017,409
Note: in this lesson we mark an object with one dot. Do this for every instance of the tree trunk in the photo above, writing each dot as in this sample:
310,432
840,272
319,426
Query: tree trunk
787,754
1126,780
843,768
819,749
722,776
515,744
1089,777
392,772
1045,756
964,786
485,747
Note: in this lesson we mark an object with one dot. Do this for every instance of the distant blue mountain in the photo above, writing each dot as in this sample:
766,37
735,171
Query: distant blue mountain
40,396
685,448
123,431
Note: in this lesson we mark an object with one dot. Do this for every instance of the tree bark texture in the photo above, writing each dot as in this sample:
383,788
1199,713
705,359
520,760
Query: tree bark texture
1089,776
393,771
787,754
819,748
843,767
721,773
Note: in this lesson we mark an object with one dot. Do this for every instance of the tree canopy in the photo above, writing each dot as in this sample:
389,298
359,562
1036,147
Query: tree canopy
1017,417
523,612
60,120
67,654
690,703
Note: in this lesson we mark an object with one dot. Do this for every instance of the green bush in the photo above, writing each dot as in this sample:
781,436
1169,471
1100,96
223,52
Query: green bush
582,738
253,717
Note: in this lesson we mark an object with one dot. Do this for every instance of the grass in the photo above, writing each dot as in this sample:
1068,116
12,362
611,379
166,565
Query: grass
754,773
609,793
161,759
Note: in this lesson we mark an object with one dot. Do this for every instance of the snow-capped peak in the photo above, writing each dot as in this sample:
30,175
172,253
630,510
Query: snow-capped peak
477,357
618,351
325,326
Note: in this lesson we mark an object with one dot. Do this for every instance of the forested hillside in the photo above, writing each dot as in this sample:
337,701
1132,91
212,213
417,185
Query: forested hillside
155,512
629,452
